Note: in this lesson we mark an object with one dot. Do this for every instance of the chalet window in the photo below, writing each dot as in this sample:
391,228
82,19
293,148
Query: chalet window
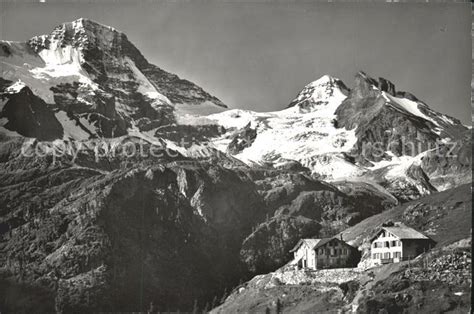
399,243
386,244
394,243
321,251
397,254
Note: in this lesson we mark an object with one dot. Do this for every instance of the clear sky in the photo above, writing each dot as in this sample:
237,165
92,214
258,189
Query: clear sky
260,55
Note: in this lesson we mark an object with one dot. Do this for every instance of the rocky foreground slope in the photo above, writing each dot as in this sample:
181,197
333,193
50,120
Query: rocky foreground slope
438,281
112,237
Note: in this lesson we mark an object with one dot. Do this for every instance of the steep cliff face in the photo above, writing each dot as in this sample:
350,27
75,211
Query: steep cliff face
97,82
450,165
116,237
386,123
301,207
26,114
226,199
268,246
334,206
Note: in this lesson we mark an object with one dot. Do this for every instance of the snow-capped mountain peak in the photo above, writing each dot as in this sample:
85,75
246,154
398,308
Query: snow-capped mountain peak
97,83
78,34
87,80
320,92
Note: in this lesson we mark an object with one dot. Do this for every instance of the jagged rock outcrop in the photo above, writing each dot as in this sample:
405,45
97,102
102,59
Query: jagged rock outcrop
98,83
116,236
188,135
268,247
299,195
241,139
27,114
449,165
386,86
385,122
301,207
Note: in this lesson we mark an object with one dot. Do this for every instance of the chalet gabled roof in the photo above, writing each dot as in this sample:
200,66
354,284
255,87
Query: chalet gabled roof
322,242
309,242
402,232
312,243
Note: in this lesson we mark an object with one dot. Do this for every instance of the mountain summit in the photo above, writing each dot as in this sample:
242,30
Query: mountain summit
87,80
96,82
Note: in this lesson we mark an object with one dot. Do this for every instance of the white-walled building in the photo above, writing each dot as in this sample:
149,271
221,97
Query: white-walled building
324,253
392,244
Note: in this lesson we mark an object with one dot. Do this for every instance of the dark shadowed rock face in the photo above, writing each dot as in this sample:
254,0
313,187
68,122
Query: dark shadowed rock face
119,236
29,115
241,139
99,81
187,135
450,165
114,63
381,127
301,207
105,50
300,195
386,86
386,124
268,247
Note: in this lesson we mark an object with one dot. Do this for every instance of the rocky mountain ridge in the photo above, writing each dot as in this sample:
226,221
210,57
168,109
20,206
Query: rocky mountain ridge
96,82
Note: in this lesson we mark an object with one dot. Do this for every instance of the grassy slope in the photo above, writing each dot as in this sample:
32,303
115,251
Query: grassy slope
446,217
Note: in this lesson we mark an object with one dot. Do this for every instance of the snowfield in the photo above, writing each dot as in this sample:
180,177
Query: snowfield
299,133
